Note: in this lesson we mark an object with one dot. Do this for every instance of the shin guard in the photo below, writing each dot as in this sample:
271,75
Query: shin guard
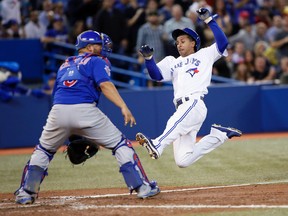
131,176
132,171
33,179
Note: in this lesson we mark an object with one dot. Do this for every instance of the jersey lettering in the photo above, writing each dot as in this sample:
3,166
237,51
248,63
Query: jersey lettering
107,69
65,64
85,61
192,61
178,65
196,62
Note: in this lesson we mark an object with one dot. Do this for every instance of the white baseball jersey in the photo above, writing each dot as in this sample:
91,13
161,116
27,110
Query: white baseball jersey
191,74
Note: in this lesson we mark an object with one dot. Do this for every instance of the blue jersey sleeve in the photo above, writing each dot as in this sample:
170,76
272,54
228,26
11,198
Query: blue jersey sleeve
101,71
220,37
153,70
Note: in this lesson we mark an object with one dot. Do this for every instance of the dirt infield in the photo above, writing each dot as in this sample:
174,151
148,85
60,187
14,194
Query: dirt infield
171,201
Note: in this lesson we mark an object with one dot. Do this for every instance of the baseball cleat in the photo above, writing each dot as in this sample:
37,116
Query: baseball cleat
146,191
23,198
230,132
148,144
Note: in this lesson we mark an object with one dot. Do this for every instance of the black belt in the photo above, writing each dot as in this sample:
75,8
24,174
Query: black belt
182,100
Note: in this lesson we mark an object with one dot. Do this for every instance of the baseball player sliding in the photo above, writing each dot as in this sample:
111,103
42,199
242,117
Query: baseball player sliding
190,74
80,81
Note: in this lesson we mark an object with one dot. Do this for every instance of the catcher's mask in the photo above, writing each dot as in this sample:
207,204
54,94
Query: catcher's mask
108,44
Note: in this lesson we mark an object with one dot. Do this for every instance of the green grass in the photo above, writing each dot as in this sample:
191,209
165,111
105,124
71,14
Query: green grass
240,212
235,162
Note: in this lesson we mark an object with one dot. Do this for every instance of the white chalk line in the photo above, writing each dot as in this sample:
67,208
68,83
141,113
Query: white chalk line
170,191
85,207
64,200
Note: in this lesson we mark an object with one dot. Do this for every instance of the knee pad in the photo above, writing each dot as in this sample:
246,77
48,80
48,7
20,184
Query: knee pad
41,157
123,142
48,153
131,176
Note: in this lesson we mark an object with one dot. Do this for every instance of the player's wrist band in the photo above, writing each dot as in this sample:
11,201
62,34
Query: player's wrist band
149,57
208,19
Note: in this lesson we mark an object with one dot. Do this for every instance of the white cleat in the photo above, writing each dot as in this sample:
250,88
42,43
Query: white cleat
148,144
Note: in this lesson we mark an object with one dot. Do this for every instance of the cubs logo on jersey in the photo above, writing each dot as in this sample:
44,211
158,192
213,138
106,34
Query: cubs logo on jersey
69,83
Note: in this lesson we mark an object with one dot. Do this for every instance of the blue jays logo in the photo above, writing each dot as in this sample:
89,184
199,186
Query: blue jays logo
192,71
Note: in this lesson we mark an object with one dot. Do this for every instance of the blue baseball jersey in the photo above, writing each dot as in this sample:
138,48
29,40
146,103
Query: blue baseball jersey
78,79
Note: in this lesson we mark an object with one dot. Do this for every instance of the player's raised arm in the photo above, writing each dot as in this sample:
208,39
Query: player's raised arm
153,70
221,39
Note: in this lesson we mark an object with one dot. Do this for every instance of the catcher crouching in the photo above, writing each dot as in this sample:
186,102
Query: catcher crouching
79,83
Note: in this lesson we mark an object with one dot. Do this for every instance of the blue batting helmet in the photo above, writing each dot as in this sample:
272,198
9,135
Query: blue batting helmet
189,32
88,37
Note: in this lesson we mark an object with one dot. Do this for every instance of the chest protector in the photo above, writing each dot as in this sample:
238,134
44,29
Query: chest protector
72,73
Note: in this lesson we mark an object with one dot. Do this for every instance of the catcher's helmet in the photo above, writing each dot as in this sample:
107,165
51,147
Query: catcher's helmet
108,44
190,33
88,37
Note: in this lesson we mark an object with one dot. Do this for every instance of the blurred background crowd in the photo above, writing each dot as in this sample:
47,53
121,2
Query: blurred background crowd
257,30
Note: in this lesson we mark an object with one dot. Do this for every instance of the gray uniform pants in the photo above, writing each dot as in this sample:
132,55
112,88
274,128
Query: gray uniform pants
82,119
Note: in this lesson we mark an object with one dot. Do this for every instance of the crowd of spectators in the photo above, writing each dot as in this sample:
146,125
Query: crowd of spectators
257,30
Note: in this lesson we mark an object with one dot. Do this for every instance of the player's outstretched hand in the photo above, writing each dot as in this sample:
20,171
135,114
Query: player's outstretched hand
146,51
128,117
203,13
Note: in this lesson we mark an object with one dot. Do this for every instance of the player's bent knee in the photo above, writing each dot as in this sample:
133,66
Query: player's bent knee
41,157
182,164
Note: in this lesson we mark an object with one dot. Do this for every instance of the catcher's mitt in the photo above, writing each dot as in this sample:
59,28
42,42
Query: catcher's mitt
79,150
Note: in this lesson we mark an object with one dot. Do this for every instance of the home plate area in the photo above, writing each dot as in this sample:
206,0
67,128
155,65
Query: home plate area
171,201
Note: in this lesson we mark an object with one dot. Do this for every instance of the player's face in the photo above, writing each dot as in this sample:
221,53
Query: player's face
95,48
185,45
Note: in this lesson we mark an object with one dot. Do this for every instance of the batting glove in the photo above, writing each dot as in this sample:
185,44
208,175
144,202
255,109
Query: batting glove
204,14
146,52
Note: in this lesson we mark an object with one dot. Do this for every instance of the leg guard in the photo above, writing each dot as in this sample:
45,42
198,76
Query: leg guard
33,175
33,179
131,176
132,171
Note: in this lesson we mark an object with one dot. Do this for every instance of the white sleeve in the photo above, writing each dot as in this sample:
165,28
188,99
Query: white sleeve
213,52
166,68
